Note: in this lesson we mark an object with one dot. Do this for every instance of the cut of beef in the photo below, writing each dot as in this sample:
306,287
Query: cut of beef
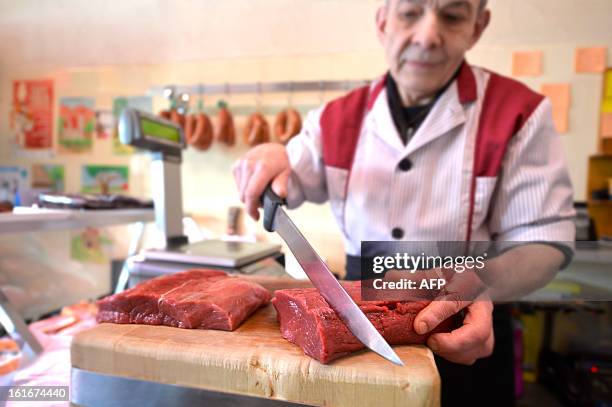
307,320
205,299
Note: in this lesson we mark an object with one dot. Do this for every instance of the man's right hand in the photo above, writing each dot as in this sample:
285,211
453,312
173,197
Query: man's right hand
261,165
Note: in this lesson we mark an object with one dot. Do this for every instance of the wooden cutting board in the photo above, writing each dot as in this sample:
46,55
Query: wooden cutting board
255,360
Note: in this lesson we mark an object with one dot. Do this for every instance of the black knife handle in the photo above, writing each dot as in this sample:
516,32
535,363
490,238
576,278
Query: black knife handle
270,203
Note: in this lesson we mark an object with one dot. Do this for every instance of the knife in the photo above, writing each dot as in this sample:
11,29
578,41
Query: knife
276,220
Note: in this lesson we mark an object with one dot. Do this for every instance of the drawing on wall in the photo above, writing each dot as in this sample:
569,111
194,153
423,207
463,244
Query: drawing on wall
606,106
91,246
104,179
48,177
144,103
13,179
76,125
31,116
105,124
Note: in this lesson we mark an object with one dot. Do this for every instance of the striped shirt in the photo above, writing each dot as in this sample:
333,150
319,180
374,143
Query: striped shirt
446,184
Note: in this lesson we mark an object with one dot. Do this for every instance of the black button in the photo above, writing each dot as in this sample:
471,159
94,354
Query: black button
405,165
397,233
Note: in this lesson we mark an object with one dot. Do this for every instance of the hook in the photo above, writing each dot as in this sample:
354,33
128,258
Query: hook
169,93
321,92
201,91
224,103
290,101
258,97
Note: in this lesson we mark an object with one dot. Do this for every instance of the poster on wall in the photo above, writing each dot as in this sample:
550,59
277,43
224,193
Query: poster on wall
91,246
144,103
49,177
12,181
76,125
606,106
31,116
104,179
105,124
606,103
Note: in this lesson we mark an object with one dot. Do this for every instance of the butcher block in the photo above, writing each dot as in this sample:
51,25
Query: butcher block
254,360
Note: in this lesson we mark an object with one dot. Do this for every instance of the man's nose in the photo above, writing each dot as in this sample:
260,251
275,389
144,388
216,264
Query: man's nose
427,33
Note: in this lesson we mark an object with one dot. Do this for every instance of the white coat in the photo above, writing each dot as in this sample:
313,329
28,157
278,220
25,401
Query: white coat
486,164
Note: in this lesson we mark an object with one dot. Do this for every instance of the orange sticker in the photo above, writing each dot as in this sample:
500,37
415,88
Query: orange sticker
528,63
591,59
606,125
561,119
559,96
558,93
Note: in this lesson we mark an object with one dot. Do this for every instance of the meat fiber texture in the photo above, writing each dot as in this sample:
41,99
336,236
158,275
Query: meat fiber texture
204,299
307,320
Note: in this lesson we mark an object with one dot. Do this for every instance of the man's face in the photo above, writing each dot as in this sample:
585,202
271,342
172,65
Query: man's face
425,41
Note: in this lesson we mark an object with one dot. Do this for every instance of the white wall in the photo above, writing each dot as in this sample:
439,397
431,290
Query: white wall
110,48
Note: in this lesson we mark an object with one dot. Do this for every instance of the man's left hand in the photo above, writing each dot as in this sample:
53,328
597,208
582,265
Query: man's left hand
466,344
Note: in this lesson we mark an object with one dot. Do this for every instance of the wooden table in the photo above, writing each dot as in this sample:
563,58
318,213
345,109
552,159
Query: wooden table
256,361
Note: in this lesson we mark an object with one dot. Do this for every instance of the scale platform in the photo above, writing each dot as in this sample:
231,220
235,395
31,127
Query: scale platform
243,258
216,253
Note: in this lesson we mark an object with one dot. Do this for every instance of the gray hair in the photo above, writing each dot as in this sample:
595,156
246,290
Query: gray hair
481,7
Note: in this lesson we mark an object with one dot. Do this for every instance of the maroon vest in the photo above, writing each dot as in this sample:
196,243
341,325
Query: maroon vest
507,106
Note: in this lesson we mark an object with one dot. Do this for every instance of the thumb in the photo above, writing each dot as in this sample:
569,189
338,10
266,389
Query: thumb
436,312
279,184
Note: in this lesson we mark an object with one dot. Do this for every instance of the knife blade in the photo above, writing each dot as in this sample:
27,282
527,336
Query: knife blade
277,220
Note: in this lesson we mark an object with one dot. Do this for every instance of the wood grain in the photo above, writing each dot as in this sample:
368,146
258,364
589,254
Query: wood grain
255,360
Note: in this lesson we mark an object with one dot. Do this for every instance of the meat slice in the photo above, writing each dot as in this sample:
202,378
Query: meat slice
307,320
219,304
206,299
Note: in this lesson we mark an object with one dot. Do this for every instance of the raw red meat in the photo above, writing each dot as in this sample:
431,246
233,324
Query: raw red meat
206,299
307,320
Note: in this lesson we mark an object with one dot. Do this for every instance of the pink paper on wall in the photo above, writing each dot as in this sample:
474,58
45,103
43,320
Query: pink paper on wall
606,125
527,63
559,95
591,59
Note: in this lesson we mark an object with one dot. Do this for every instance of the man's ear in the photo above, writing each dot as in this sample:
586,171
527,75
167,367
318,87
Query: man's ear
482,22
381,22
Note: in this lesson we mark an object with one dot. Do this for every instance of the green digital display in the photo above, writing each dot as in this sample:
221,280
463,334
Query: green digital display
159,130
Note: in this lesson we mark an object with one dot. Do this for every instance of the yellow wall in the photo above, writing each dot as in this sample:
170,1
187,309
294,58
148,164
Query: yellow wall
106,49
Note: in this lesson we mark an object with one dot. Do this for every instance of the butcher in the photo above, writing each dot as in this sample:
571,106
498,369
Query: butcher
436,150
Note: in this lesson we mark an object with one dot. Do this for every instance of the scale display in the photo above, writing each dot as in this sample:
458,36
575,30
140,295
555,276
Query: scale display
149,132
160,132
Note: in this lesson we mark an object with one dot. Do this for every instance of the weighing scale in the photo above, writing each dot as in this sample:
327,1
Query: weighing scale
165,141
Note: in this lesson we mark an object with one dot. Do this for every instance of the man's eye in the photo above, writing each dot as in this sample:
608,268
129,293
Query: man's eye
453,18
411,13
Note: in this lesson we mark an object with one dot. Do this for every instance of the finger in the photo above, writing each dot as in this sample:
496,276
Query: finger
237,172
473,340
468,285
279,184
246,172
468,354
438,311
255,188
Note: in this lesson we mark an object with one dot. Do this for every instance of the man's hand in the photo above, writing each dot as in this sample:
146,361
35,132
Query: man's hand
472,341
261,165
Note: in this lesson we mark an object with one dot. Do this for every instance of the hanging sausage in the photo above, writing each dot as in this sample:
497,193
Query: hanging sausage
190,121
225,132
288,123
256,131
201,136
166,114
